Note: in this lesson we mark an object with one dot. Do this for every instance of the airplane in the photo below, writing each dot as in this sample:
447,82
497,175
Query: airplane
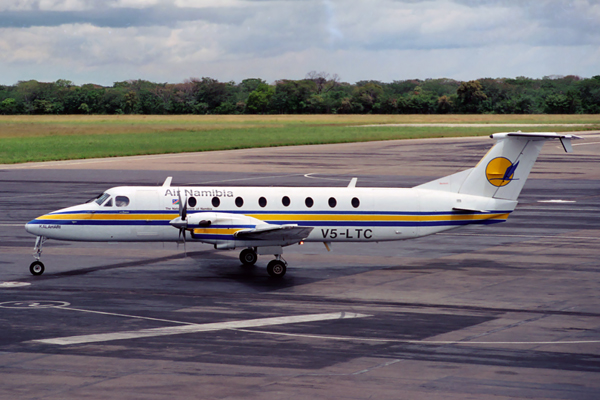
264,220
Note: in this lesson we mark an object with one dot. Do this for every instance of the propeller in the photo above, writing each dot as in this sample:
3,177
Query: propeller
181,222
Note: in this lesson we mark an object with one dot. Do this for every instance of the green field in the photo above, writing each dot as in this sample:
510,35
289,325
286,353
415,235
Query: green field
44,138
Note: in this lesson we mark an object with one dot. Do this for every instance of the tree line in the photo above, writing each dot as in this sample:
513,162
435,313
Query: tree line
318,93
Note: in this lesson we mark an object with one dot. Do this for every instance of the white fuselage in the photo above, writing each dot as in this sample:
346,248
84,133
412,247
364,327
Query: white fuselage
336,214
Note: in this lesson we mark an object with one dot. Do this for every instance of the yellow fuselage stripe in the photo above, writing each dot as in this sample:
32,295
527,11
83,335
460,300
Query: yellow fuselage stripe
216,231
284,217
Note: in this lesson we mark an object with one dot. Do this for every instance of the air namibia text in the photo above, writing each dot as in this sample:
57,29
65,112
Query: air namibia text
200,193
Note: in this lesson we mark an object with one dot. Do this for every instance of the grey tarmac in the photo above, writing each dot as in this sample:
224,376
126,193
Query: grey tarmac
498,312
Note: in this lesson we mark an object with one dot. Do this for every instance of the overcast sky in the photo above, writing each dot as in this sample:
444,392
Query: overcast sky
90,41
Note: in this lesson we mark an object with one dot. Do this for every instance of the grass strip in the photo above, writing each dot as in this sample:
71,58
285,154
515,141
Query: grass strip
81,146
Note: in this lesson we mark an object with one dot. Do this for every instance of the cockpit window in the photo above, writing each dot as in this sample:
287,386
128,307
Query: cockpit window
108,203
122,201
100,199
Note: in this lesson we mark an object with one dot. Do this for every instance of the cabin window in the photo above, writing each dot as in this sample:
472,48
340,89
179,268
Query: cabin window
108,203
285,201
100,199
262,202
239,201
216,202
309,202
355,202
332,202
122,201
192,202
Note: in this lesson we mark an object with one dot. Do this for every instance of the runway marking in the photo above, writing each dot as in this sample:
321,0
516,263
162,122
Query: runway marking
584,144
127,315
241,179
325,179
566,207
383,340
194,328
34,304
12,285
525,236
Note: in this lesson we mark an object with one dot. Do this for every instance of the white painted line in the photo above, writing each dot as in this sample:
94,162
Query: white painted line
556,201
126,315
194,328
525,236
31,304
13,284
584,144
383,340
20,225
240,179
324,179
548,208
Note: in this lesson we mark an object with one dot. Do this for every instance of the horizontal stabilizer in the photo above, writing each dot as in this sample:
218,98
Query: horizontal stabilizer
565,140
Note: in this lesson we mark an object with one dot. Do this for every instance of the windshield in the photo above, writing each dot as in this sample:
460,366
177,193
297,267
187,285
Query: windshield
94,198
102,197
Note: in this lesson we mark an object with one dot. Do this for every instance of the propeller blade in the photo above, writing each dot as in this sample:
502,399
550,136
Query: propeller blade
181,223
180,204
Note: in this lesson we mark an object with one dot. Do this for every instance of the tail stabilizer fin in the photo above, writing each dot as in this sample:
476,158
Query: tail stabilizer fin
502,172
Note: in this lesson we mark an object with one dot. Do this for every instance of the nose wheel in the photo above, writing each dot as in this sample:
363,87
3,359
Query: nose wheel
37,268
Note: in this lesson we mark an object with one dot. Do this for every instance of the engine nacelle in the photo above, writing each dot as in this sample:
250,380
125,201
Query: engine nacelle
204,219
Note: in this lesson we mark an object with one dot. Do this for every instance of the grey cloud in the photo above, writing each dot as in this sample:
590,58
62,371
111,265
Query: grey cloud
121,17
283,29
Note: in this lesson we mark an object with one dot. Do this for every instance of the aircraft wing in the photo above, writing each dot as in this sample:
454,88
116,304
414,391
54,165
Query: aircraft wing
275,232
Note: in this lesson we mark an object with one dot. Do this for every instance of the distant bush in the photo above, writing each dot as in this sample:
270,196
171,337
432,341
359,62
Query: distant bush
318,93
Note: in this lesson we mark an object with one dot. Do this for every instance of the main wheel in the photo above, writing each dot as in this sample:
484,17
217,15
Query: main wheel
36,268
248,257
276,268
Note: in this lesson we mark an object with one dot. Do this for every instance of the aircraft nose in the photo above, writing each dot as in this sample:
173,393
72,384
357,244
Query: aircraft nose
33,227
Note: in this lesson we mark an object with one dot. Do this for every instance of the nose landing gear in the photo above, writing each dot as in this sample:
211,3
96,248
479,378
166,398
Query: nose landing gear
37,267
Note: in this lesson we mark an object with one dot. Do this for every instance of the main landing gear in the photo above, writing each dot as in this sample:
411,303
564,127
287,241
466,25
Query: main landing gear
276,268
248,257
37,267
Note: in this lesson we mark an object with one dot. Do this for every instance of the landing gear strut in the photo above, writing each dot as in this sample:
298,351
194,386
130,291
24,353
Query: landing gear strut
37,267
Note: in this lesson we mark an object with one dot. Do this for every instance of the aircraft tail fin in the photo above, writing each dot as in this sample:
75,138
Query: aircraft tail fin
502,172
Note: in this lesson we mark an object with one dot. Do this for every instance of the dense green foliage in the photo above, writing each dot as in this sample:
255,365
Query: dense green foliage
317,94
